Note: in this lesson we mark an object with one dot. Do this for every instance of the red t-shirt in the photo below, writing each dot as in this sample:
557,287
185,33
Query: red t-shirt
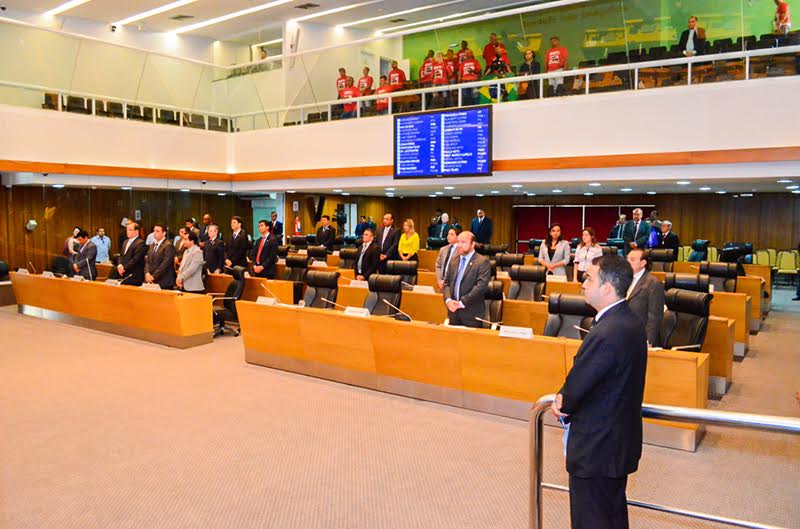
451,67
782,14
470,70
397,78
439,73
426,71
461,56
347,93
382,103
365,84
556,58
490,50
341,83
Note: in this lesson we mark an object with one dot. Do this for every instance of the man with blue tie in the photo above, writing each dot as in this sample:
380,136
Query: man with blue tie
482,227
369,256
446,254
466,283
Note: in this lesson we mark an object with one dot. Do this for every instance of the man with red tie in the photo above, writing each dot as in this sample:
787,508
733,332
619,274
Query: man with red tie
265,252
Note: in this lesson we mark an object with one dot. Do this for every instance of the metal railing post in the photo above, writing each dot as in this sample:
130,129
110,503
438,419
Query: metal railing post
636,78
747,67
587,83
391,105
460,97
689,75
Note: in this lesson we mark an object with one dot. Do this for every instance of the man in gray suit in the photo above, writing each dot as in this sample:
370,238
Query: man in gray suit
159,264
466,283
85,258
646,296
446,254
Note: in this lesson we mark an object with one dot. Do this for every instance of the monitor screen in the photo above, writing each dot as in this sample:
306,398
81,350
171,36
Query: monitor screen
443,143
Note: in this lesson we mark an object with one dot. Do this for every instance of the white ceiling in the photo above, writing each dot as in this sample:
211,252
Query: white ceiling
269,21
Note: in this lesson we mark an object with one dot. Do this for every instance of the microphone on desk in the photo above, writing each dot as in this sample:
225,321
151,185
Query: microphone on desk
581,329
333,303
89,268
125,278
34,268
681,347
268,291
407,284
491,323
398,310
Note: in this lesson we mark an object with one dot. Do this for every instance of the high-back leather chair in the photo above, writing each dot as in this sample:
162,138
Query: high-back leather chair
338,243
227,312
686,318
383,287
297,267
699,250
693,282
723,275
619,244
660,260
533,246
493,301
318,253
434,243
407,270
491,250
527,282
298,242
565,312
4,269
350,240
610,250
321,285
61,265
283,251
493,269
506,260
348,257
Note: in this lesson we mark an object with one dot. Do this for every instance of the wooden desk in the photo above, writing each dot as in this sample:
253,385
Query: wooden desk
284,290
103,270
719,346
532,314
765,273
753,287
159,316
427,260
7,294
568,287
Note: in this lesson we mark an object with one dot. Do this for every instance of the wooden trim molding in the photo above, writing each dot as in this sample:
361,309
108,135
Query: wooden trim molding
337,172
109,170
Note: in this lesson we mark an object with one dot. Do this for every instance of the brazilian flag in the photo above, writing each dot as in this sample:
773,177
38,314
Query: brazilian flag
488,94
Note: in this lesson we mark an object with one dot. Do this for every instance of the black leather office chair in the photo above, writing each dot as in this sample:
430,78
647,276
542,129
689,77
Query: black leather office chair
493,301
318,253
699,250
298,242
283,251
686,319
574,242
383,287
348,257
619,244
566,311
506,260
693,282
4,269
62,266
338,243
407,270
735,252
533,246
660,260
527,282
491,250
350,240
493,272
610,250
319,285
723,275
227,312
311,239
296,270
434,243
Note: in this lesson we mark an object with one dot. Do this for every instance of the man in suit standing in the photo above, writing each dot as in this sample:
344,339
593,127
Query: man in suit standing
207,223
86,257
619,228
466,283
482,228
276,228
693,39
601,400
668,240
326,233
265,252
237,246
388,240
214,251
369,256
636,232
159,265
440,230
646,296
361,226
131,256
445,257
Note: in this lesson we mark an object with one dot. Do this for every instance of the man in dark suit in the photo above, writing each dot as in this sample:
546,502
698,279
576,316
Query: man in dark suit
601,400
636,232
326,234
237,246
159,265
265,252
693,39
619,228
646,296
361,226
440,230
668,240
369,256
388,239
86,257
466,283
482,228
131,256
214,251
276,228
207,223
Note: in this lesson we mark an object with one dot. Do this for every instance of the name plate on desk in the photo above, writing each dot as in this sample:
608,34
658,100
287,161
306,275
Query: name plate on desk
508,331
358,284
319,264
281,261
302,252
265,300
502,275
48,273
425,289
556,279
360,312
336,253
77,278
113,282
150,286
23,271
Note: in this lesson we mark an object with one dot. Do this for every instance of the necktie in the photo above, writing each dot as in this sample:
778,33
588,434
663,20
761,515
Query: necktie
383,239
459,276
128,246
260,247
361,257
235,235
447,261
635,233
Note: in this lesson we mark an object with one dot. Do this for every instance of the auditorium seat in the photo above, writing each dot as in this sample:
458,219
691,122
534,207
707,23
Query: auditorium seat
311,239
744,43
693,282
338,243
686,319
50,102
321,285
115,110
656,53
533,246
506,260
721,46
383,287
619,244
167,117
350,240
610,250
527,282
296,267
761,258
227,312
699,251
722,275
787,265
283,251
435,243
491,250
493,301
318,253
566,312
298,242
4,270
348,257
407,270
660,260
78,105
713,254
61,265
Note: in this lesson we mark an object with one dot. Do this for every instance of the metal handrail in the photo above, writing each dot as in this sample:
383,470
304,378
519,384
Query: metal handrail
766,423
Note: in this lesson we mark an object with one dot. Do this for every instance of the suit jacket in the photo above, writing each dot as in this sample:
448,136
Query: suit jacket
603,396
441,260
85,259
191,270
617,231
482,230
326,237
161,264
268,258
370,262
472,290
276,230
630,234
389,246
646,300
132,261
214,254
439,230
562,253
671,241
699,44
236,249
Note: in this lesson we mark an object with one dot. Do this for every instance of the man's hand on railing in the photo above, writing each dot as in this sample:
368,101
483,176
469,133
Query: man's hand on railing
555,407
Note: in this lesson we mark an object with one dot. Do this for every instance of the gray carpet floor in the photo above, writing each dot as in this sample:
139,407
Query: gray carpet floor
98,431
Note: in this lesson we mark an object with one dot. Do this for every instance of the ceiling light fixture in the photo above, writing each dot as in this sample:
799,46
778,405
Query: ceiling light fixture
558,190
516,186
439,193
337,190
345,194
588,194
334,10
58,186
152,12
784,181
530,194
449,188
292,192
445,18
683,182
796,192
267,43
229,16
432,196
651,192
221,194
746,195
792,187
389,188
705,188
494,192
64,7
184,190
626,189
595,184
126,188
397,13
721,192
479,194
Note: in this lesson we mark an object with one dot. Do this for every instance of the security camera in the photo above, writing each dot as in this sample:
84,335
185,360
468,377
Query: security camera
113,29
45,174
2,8
204,182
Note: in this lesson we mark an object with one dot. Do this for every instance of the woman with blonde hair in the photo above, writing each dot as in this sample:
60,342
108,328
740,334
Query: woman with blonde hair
408,247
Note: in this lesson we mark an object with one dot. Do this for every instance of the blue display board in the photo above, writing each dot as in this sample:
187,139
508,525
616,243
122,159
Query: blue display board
443,143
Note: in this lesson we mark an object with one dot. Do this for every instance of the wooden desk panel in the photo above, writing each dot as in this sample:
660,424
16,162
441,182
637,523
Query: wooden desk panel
7,294
734,306
752,286
427,260
765,273
424,307
103,270
348,347
531,314
284,290
428,279
569,287
685,267
719,346
351,296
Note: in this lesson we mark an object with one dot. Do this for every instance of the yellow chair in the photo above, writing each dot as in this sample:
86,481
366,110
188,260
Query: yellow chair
687,251
761,258
787,264
773,257
713,254
680,254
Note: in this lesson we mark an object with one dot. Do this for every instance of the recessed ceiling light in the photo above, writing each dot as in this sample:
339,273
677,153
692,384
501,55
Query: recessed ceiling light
439,193
456,198
683,182
267,43
530,194
432,196
595,184
495,192
345,194
64,7
126,188
721,192
185,190
792,187
292,192
337,190
516,186
221,194
390,195
626,189
335,10
558,190
796,192
398,13
784,181
58,186
746,195
651,192
588,194
449,188
705,188
389,188
229,16
152,12
479,194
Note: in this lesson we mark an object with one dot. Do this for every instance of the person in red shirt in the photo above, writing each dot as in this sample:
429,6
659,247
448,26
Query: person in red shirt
469,71
397,77
462,53
365,82
440,79
382,103
451,66
341,81
426,71
783,20
491,49
349,92
555,60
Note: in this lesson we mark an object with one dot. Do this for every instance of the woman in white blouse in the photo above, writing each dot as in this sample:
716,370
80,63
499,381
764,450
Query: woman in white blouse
554,252
587,250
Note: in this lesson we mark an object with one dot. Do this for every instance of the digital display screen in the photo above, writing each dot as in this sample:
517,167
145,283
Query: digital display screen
443,143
